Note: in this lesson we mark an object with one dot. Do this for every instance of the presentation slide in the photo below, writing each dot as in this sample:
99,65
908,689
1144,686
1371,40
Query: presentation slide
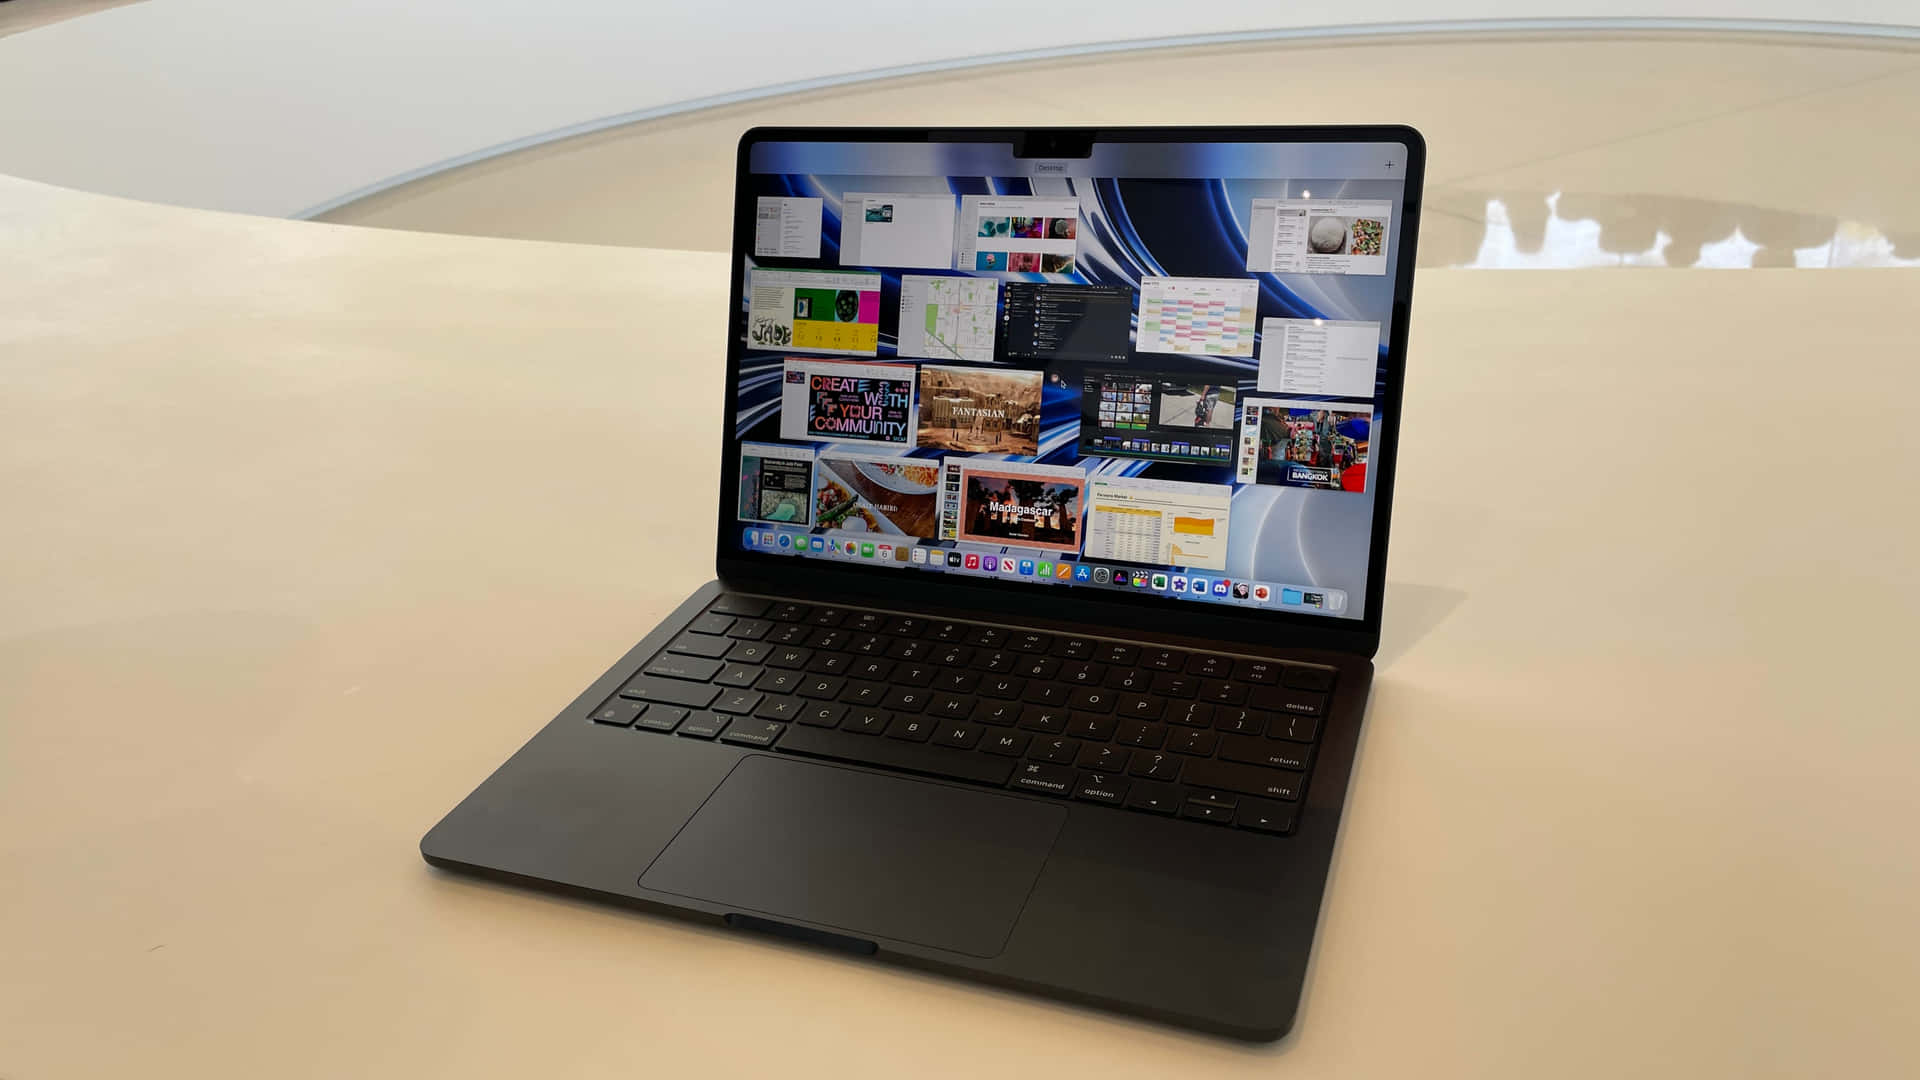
1304,444
980,410
1037,506
865,491
1197,316
1170,522
1318,236
837,401
1019,234
948,318
896,229
776,483
1319,357
824,311
787,228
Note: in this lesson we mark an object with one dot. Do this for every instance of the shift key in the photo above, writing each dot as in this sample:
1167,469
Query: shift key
671,691
1244,779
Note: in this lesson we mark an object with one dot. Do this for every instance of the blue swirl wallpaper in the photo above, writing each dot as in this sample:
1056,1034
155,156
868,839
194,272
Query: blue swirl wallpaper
1141,213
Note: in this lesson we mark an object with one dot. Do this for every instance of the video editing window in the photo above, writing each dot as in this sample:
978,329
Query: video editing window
1155,369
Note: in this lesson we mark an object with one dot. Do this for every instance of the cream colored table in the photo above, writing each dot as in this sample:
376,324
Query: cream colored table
306,528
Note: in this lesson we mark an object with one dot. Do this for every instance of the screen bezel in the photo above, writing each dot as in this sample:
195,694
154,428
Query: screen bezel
792,575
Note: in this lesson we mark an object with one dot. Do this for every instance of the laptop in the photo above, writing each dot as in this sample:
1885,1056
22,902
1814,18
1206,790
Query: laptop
1052,536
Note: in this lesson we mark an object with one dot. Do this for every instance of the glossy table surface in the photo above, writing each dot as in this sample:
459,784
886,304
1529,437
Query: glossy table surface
307,527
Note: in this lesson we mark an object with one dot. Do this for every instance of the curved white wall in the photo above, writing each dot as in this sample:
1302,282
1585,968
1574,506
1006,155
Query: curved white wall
284,106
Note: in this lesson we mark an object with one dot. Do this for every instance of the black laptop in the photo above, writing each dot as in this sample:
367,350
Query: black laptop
1052,534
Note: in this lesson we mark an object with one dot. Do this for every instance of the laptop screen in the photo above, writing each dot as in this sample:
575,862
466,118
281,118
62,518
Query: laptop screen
1154,369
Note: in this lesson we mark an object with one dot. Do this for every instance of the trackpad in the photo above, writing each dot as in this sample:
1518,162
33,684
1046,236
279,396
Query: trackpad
872,856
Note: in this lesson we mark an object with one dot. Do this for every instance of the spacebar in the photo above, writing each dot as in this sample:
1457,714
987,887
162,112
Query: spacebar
893,754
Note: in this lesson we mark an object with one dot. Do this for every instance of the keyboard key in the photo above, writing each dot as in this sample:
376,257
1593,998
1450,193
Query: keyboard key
1222,693
827,616
986,637
1307,678
791,657
1004,687
700,645
1240,721
822,714
1154,798
1044,718
956,682
1010,743
866,622
1272,753
1028,641
950,706
953,655
910,728
676,666
831,663
913,675
1045,693
906,699
1082,674
711,624
1061,751
1191,714
1209,667
749,652
619,712
1297,702
1265,816
779,682
1297,728
752,732
661,718
997,713
1245,779
1205,808
1189,741
1103,758
904,649
783,709
748,607
821,687
948,632
1154,765
861,692
671,691
1100,788
831,640
905,626
998,662
1086,725
789,634
1164,659
1146,733
1074,648
1037,667
738,702
703,725
869,667
1167,684
788,612
1043,778
1113,652
1130,680
866,721
1265,672
749,630
1091,699
959,736
897,754
1139,707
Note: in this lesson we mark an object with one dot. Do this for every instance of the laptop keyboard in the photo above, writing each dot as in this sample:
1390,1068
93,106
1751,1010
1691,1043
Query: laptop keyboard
1208,737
